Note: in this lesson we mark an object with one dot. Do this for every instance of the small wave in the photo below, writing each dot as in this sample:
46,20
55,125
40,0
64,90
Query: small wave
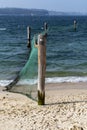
66,79
27,82
69,79
5,82
2,29
48,80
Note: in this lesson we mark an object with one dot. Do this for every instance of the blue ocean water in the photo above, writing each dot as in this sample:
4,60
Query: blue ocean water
66,48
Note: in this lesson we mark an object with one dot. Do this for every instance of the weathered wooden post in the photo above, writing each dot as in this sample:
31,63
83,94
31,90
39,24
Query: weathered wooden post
29,37
45,28
75,25
41,68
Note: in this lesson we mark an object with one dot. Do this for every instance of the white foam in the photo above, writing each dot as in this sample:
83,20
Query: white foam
27,82
5,82
2,29
66,79
55,80
48,80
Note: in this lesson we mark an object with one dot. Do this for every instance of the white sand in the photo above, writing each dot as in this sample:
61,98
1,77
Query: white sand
66,106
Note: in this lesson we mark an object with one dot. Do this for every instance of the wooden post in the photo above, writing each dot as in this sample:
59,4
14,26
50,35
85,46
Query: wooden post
41,68
45,28
29,37
75,25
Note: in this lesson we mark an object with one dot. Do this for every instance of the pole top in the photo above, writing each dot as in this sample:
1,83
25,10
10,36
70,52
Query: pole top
75,21
45,26
41,39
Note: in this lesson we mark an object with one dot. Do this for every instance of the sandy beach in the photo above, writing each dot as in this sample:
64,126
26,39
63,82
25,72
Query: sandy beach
65,109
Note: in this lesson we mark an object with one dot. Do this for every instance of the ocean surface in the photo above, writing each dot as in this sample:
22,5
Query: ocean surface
66,48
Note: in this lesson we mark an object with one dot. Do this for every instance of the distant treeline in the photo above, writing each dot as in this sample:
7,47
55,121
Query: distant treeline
19,11
36,12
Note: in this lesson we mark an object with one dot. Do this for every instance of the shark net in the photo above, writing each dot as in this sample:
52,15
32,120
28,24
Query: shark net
26,81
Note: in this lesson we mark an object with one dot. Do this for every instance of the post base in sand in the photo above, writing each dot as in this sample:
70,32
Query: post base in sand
41,98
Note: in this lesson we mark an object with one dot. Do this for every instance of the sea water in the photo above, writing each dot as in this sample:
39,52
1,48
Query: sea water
66,48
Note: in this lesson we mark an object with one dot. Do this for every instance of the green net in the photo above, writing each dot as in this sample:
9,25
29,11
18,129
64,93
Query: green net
30,69
26,81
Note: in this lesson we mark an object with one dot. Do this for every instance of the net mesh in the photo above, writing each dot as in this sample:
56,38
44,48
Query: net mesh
26,81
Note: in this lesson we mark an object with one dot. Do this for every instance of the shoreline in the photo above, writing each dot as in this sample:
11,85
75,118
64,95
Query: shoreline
67,85
63,85
65,108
